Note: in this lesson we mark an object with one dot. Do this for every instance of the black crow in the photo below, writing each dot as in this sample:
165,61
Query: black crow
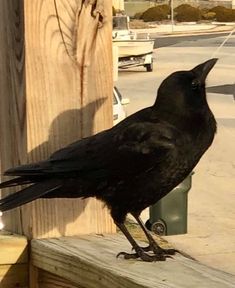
132,165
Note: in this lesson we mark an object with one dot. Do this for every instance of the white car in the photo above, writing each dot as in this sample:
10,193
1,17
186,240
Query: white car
118,111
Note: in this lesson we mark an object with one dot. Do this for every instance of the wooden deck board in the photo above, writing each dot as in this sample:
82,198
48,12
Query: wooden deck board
90,261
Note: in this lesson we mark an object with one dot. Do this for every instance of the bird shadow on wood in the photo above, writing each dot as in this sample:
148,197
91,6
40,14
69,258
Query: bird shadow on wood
68,127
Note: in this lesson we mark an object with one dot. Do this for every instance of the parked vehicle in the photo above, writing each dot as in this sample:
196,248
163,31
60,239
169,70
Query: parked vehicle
132,52
118,111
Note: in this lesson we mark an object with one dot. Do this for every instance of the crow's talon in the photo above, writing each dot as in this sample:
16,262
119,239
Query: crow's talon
128,255
152,258
158,250
144,256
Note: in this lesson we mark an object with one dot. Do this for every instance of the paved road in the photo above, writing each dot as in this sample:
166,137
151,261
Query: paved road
164,41
211,225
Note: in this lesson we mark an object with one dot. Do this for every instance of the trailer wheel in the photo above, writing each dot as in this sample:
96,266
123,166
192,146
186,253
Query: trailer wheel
149,67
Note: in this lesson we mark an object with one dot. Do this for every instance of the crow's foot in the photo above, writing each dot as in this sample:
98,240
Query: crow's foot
140,253
167,252
158,250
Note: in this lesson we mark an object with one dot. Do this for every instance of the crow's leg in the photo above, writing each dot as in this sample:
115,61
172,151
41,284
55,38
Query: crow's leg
153,246
139,252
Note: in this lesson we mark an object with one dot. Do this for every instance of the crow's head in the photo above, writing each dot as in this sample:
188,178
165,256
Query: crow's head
185,90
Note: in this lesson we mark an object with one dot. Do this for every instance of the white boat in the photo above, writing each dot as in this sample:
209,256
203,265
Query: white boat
131,51
132,48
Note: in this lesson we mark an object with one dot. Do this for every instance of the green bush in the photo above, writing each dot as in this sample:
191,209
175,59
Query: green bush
138,15
218,9
182,7
223,14
165,8
157,13
187,13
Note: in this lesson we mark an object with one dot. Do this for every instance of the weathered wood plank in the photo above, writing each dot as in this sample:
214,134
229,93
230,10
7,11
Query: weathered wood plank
12,276
12,95
33,276
90,261
48,280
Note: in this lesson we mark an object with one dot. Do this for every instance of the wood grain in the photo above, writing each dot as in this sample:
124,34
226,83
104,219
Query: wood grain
12,95
12,276
48,280
57,88
33,276
90,261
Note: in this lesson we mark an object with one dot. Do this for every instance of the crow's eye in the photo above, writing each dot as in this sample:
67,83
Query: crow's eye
195,84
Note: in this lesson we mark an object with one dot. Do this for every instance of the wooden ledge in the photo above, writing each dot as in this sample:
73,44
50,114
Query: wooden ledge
13,260
13,248
90,261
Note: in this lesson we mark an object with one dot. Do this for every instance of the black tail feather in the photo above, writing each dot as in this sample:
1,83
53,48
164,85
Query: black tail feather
15,182
29,194
27,169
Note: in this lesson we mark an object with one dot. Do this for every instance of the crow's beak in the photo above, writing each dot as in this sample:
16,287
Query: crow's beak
202,70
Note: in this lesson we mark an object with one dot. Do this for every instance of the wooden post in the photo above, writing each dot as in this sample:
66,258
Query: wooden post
56,87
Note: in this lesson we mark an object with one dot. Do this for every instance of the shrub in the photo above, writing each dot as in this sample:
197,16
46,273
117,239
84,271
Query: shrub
157,13
187,13
182,7
138,15
223,14
165,8
218,9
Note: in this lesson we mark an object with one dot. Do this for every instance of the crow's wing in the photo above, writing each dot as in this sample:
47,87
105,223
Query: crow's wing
147,138
129,148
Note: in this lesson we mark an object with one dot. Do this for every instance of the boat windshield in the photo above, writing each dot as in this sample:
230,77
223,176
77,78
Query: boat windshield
120,23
